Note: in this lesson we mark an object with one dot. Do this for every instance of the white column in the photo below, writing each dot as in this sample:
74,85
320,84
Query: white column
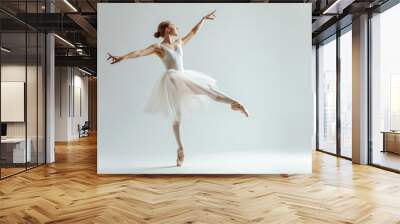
50,82
50,92
360,90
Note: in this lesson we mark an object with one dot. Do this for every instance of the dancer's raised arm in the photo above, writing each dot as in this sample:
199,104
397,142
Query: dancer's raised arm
135,54
196,28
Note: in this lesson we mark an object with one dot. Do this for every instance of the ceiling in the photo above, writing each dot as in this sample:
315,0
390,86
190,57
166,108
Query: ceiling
75,22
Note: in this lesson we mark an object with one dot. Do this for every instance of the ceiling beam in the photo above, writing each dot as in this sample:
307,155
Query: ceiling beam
83,61
86,26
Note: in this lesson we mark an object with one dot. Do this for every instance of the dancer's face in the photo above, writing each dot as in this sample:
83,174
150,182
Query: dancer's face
172,30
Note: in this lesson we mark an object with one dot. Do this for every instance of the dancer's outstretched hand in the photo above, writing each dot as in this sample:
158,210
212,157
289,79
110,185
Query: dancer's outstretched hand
114,59
211,15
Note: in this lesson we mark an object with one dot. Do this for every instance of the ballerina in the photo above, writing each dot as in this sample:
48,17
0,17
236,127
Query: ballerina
179,90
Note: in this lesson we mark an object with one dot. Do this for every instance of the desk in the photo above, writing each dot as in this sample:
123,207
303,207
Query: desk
13,150
391,141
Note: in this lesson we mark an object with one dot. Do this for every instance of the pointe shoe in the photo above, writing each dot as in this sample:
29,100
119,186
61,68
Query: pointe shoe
240,107
180,157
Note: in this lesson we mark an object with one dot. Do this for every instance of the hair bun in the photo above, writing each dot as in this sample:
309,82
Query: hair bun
161,29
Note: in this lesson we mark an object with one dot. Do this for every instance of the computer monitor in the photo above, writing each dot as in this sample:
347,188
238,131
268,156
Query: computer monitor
3,129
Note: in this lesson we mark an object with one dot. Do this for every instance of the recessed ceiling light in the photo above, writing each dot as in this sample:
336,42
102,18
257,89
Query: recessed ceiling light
64,40
84,71
70,5
337,7
5,50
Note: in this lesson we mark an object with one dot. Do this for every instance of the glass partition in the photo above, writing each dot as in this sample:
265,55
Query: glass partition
22,101
14,153
32,95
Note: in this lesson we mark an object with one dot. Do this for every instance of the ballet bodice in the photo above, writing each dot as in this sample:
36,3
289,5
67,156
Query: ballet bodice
173,58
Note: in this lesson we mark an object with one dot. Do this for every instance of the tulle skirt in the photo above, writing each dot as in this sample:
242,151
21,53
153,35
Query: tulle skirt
180,92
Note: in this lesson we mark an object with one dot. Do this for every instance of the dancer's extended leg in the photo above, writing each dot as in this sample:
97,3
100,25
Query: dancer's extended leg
222,97
219,96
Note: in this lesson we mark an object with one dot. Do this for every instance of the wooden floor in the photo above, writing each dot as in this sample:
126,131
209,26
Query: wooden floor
70,191
386,159
5,172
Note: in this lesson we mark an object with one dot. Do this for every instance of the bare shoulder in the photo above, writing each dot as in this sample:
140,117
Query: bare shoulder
155,46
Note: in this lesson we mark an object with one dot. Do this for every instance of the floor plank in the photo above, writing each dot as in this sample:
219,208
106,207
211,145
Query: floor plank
70,191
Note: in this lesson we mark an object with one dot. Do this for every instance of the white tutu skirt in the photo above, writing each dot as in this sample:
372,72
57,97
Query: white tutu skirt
180,92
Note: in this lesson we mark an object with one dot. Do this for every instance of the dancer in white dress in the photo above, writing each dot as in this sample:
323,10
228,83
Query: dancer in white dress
179,90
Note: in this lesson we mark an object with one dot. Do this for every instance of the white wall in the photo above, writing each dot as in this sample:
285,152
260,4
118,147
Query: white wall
17,72
68,81
259,53
79,117
62,80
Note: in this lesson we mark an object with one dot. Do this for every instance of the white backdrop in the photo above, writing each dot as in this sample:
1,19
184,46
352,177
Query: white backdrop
258,53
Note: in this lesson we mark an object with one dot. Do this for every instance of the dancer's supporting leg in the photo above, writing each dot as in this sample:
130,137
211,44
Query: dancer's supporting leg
176,127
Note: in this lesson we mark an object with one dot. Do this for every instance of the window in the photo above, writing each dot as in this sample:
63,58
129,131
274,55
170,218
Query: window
327,96
346,94
385,89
